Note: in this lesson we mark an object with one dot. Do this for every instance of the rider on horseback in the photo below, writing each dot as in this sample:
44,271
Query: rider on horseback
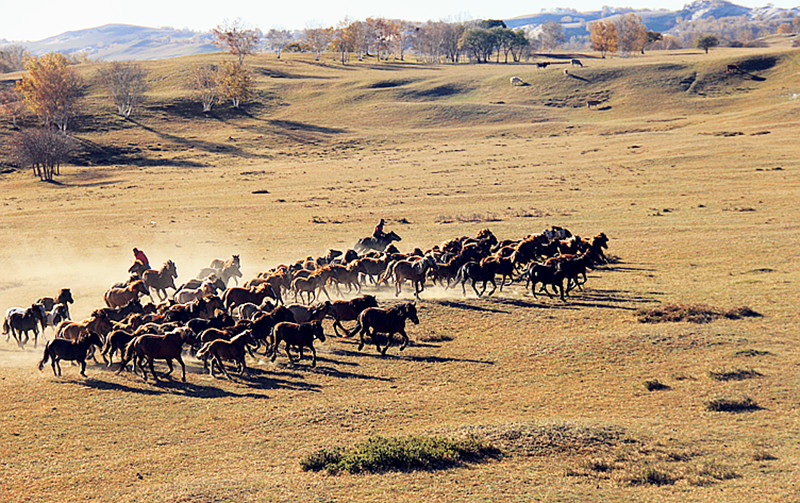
141,257
378,232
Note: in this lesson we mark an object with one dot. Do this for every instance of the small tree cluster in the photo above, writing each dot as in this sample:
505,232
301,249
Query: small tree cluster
12,105
203,81
623,34
235,82
126,84
43,150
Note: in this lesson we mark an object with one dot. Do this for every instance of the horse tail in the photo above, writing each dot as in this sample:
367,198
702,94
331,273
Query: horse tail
6,326
388,273
127,355
203,350
46,355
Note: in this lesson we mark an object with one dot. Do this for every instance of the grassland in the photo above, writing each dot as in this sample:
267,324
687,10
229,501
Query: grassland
691,171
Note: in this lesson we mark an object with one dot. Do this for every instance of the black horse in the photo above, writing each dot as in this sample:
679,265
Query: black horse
377,244
72,350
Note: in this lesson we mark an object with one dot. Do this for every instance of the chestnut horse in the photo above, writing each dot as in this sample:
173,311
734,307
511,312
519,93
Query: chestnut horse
163,347
118,297
299,335
161,280
386,321
344,310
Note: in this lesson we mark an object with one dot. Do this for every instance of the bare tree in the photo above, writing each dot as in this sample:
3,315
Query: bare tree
237,38
43,150
318,39
13,57
11,105
552,36
276,40
204,82
126,84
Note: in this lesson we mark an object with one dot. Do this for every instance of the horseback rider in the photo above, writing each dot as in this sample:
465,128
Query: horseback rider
378,232
141,257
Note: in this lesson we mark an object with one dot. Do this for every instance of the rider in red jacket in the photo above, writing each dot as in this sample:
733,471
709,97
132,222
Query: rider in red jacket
378,232
141,257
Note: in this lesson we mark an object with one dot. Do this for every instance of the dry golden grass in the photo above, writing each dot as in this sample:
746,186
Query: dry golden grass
691,172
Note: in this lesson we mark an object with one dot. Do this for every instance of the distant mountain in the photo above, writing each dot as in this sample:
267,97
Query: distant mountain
663,21
118,42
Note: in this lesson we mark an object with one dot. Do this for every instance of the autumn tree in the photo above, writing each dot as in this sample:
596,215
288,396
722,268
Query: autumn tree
318,40
203,80
236,38
784,29
235,82
125,84
12,105
796,23
706,42
51,89
603,37
43,150
552,36
403,31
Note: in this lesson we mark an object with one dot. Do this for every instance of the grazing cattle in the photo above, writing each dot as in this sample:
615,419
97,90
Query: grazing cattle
576,62
516,81
566,72
344,310
161,280
233,350
70,350
64,297
299,335
375,320
118,297
542,64
162,347
592,103
733,69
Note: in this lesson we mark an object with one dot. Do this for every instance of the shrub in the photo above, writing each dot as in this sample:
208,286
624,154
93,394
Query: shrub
655,385
733,375
381,454
732,405
650,475
693,313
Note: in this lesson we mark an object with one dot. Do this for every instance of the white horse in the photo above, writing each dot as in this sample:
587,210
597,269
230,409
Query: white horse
186,295
55,316
516,81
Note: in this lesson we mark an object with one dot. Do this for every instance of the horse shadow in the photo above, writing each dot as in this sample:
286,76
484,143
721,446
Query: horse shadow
471,307
577,77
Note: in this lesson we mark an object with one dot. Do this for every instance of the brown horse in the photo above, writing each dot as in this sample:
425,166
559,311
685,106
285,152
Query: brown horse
64,297
299,335
238,295
232,350
348,310
303,314
116,340
162,347
161,280
71,350
386,321
98,323
414,271
118,297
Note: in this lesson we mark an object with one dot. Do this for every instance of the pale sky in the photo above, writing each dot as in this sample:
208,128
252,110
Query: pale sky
22,20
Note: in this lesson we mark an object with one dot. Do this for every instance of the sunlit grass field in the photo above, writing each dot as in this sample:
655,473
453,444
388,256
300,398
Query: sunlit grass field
690,170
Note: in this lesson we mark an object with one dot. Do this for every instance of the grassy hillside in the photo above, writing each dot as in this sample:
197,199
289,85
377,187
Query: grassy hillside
690,170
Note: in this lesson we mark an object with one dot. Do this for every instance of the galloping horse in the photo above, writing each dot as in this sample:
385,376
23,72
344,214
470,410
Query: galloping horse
64,297
163,347
413,271
161,280
386,321
298,335
118,297
73,350
226,270
377,244
19,321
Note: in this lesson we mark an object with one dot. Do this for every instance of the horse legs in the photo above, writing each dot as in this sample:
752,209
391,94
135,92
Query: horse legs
323,291
83,367
388,343
494,287
152,370
314,359
402,333
55,365
364,331
169,364
183,367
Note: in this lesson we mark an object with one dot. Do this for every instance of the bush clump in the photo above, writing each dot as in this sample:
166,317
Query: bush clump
693,313
382,454
733,405
733,375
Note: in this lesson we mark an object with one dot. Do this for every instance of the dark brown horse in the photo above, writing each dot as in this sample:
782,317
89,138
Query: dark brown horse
63,349
118,297
237,295
162,347
348,310
116,341
376,243
232,350
299,335
20,321
374,320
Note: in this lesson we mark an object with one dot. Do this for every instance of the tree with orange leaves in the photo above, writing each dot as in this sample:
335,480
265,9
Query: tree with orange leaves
603,37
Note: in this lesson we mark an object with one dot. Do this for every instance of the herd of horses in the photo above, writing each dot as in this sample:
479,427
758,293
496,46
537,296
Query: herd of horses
224,324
